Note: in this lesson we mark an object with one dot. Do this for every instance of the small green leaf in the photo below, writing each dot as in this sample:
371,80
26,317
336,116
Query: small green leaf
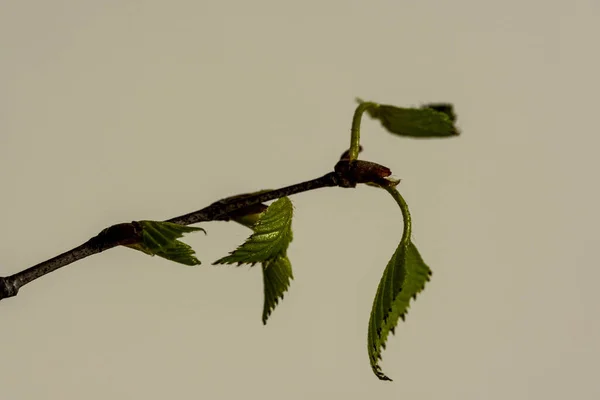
404,277
271,237
277,270
160,239
433,120
277,276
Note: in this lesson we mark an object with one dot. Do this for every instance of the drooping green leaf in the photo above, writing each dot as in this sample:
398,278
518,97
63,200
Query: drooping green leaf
277,276
403,278
160,239
271,237
433,120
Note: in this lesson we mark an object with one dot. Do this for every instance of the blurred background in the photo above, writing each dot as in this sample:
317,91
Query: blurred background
113,111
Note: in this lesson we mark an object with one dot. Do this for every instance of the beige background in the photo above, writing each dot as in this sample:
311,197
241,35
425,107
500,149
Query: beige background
119,110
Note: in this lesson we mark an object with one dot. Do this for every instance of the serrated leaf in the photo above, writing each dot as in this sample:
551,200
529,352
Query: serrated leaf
277,273
277,276
434,120
404,277
271,237
160,239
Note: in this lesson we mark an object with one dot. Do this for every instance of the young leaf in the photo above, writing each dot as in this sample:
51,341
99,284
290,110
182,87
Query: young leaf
277,276
433,120
403,278
277,272
271,237
160,239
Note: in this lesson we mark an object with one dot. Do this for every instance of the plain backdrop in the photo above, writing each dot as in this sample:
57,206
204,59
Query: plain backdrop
112,111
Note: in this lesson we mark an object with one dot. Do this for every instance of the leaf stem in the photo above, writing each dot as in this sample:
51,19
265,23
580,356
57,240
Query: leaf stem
355,130
407,231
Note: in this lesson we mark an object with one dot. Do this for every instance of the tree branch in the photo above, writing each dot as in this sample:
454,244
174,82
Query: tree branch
220,210
347,174
127,233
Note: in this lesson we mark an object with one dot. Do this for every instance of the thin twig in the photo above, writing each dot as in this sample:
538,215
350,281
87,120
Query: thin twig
347,173
221,209
126,233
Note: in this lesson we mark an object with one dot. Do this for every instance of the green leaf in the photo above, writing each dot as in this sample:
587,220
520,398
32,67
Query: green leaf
277,276
271,237
160,239
404,277
433,120
276,270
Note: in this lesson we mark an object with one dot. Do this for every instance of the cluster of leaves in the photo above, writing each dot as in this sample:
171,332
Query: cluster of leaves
268,245
404,276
